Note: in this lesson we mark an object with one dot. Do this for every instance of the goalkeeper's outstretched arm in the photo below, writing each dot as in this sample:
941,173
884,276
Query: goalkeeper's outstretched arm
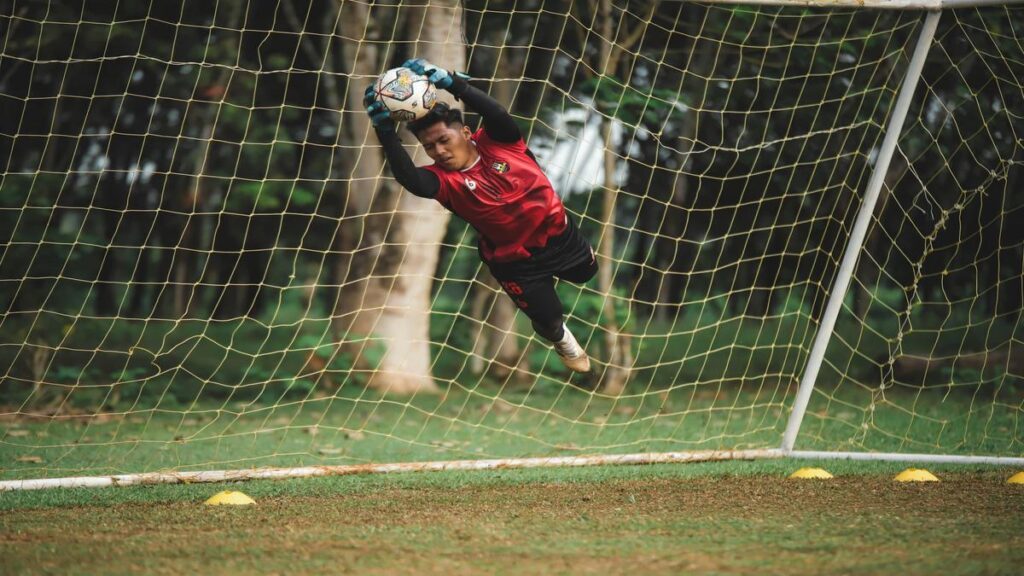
419,181
498,123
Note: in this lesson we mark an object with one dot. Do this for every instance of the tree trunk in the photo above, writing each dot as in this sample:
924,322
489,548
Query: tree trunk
392,305
358,245
618,346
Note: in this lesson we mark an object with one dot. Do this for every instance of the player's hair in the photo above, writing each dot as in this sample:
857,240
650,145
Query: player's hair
441,112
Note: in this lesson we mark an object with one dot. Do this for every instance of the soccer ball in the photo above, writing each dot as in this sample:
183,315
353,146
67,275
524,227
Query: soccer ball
407,95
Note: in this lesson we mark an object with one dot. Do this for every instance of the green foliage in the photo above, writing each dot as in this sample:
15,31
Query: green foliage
68,374
35,190
268,196
333,356
634,106
593,307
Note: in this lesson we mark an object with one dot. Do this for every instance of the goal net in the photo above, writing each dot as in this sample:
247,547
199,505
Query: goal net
206,265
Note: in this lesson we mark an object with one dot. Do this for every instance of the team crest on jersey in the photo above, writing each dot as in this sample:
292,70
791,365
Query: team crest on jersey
499,167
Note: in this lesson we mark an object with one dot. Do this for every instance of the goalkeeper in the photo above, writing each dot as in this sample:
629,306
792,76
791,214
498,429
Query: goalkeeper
490,179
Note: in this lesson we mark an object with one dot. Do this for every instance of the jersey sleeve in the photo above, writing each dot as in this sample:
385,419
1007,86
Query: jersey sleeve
444,189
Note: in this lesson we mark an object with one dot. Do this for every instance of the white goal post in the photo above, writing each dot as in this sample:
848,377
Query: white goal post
806,215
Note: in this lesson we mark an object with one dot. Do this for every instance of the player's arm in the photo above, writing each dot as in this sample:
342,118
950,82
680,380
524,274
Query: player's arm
498,123
419,181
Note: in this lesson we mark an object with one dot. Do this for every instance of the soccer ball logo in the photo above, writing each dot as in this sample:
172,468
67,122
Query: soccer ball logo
407,95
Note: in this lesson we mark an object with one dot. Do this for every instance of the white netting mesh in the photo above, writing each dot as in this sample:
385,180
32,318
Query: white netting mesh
937,364
206,264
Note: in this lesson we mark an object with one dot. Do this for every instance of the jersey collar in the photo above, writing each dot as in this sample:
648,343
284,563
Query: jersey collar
470,167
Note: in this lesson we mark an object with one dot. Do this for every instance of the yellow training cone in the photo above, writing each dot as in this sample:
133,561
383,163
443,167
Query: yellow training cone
813,473
229,497
1017,478
916,475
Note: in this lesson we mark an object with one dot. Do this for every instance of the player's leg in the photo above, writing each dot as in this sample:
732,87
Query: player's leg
539,301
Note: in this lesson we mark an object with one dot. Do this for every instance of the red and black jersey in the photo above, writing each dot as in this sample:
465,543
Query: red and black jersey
505,196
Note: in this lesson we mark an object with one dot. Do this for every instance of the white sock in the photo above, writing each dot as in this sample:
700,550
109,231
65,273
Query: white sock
568,345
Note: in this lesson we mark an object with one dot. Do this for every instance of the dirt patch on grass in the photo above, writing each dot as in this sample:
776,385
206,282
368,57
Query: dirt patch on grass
967,523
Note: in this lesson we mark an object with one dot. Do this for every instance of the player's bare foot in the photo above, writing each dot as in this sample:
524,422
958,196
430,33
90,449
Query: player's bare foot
572,354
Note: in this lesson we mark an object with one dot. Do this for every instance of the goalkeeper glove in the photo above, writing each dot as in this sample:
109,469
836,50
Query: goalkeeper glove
379,115
435,74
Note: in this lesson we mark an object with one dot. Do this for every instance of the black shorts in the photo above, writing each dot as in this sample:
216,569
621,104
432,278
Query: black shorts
531,282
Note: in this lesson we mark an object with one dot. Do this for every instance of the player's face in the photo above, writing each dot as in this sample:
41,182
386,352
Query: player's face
448,146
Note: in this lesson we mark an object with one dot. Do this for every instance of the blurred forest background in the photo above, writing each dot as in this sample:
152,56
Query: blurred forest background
192,206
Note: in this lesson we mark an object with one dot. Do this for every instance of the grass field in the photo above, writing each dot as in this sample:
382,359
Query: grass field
361,427
730,517
736,517
137,396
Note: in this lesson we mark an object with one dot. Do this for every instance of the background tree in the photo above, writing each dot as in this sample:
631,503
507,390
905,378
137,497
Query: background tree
169,163
403,235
